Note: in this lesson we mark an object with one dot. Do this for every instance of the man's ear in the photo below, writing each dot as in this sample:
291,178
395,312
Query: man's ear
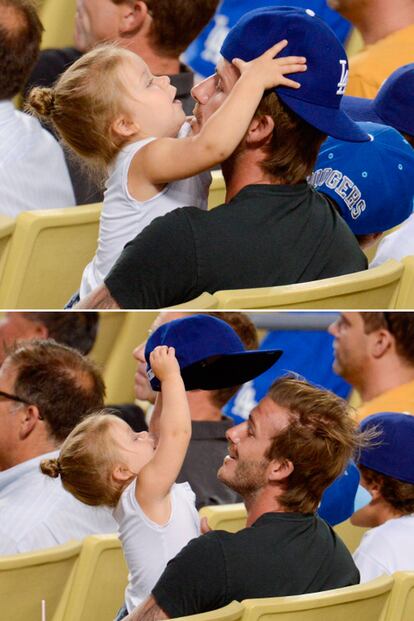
260,130
382,342
124,127
29,418
278,470
132,16
40,331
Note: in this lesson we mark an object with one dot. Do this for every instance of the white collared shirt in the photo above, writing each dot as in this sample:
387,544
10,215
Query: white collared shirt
37,512
33,172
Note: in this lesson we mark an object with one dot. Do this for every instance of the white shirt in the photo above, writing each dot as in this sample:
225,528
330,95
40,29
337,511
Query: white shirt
37,512
396,245
386,549
123,217
148,546
33,172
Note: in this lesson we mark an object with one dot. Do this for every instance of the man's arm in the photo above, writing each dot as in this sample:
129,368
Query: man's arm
147,611
98,298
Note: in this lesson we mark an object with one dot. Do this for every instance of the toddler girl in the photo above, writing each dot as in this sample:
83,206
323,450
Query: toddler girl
114,113
103,462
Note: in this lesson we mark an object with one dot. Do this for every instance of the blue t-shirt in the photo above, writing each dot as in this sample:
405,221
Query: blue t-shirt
203,53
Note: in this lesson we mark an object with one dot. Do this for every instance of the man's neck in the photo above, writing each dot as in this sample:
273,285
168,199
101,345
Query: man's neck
384,377
201,407
376,21
265,501
244,169
25,452
158,65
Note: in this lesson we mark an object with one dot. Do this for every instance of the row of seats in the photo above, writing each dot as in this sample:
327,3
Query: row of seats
43,254
86,582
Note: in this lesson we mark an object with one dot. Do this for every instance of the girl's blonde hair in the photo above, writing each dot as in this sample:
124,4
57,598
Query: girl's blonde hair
86,462
83,104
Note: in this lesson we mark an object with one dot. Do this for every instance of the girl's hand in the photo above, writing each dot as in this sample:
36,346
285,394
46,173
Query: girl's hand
164,363
270,71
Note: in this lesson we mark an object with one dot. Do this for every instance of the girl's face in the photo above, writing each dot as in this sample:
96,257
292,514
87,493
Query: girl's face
135,449
150,105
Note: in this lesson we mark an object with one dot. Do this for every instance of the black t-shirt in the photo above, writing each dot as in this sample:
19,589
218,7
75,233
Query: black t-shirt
266,235
281,554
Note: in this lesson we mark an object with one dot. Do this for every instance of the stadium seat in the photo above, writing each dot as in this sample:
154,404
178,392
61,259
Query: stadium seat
27,579
58,19
48,252
96,590
231,612
230,517
204,301
362,602
405,295
120,366
401,605
374,288
351,535
217,192
7,225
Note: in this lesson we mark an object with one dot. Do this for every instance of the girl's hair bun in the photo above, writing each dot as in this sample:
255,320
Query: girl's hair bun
50,467
41,101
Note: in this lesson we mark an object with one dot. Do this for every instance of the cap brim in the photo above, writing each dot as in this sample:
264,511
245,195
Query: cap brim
332,121
360,109
226,370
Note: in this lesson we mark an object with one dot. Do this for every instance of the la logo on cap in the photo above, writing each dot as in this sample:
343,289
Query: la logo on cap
344,78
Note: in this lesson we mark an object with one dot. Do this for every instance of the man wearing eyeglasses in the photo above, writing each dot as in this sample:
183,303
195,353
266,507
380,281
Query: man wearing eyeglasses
45,390
374,352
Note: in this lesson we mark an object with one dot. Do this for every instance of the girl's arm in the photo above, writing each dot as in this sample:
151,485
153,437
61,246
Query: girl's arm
167,159
156,478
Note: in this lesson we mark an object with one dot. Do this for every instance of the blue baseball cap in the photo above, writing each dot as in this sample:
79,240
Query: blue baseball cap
393,105
318,99
209,352
372,183
392,452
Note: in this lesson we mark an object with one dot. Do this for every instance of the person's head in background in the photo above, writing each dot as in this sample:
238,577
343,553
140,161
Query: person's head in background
75,329
387,469
371,183
45,389
374,351
20,36
203,404
158,30
393,104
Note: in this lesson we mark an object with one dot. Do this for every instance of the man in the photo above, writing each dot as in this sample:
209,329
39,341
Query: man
280,466
375,353
387,29
207,445
77,330
45,390
157,30
277,230
25,181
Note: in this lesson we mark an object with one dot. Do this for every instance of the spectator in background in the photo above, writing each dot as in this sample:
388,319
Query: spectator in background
371,184
33,173
387,472
45,390
208,445
204,52
157,30
77,330
387,29
374,351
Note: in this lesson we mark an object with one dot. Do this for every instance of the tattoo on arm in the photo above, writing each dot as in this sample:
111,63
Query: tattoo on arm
98,298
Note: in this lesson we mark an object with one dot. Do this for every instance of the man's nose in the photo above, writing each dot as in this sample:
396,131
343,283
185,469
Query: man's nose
200,92
333,328
234,433
139,352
